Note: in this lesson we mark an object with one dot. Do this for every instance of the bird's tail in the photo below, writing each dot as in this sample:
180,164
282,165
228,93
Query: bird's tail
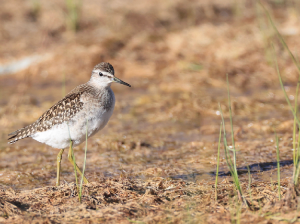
21,133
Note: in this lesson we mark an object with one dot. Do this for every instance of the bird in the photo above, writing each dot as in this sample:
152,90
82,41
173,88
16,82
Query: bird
81,113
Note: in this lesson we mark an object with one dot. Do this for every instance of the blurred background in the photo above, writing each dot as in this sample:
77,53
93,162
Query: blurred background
175,54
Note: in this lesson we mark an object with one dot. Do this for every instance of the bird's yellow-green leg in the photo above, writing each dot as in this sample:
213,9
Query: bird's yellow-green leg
74,164
59,157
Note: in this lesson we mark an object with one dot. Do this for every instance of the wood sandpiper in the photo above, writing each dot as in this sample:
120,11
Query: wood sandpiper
85,110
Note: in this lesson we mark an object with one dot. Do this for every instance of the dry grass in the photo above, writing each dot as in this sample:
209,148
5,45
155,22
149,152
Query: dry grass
155,161
157,200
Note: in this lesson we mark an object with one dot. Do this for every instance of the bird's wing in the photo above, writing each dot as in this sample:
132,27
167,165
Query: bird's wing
60,112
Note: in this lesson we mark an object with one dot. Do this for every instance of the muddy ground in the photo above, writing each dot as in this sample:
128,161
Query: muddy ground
155,161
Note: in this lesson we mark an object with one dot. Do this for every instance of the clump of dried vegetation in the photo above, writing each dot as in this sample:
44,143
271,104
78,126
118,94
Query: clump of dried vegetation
156,160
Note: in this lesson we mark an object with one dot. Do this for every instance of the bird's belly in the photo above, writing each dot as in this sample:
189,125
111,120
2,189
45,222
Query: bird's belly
76,129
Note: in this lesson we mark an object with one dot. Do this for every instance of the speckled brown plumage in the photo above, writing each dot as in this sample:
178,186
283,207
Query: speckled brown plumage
61,112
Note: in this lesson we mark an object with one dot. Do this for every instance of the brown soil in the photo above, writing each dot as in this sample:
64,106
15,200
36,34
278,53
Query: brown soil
155,162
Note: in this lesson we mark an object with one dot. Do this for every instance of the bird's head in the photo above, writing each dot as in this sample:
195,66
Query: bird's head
103,74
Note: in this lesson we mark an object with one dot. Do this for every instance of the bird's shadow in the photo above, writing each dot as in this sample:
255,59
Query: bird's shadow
253,168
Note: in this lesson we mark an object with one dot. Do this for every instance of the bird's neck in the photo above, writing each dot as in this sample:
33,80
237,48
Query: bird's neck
98,89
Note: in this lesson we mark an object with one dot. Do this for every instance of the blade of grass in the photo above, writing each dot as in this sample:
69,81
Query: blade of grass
35,9
73,157
296,119
263,30
294,139
280,37
227,156
231,163
276,63
83,169
295,151
278,165
73,14
282,87
218,162
296,147
296,175
237,9
295,154
231,125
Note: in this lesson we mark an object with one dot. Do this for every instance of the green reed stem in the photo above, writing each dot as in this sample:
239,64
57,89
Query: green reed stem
84,161
276,63
231,163
262,27
73,14
297,160
295,146
73,157
280,37
282,87
227,156
295,154
296,163
218,162
231,125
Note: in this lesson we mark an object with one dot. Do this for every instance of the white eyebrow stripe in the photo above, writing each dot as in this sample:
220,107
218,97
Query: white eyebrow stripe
106,74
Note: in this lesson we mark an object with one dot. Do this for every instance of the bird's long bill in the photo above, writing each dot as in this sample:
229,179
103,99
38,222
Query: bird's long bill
121,82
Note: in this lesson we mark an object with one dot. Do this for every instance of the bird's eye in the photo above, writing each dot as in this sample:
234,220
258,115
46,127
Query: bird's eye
100,74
